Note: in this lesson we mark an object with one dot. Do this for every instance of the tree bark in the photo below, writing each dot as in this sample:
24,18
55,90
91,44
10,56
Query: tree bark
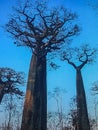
35,106
1,95
43,89
83,121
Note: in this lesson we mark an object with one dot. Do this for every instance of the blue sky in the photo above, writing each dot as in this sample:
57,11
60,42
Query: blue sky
19,58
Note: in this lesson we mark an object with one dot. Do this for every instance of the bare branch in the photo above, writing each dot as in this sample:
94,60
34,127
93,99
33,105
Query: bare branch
79,57
10,80
40,28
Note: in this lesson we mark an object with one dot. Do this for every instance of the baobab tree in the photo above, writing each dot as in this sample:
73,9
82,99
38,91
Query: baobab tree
43,31
10,80
78,58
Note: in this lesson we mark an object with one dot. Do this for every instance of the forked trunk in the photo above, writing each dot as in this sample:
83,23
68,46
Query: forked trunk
83,121
35,106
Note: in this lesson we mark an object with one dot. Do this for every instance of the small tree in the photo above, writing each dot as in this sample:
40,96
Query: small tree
78,58
73,113
42,30
12,112
57,119
94,88
10,80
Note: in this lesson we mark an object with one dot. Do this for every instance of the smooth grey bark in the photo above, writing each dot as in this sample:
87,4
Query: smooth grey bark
35,106
83,121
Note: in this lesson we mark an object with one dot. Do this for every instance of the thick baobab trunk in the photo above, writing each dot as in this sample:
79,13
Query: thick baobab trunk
83,121
35,106
41,97
43,88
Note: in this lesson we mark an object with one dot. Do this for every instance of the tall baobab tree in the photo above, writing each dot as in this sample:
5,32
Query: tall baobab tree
78,58
9,82
43,31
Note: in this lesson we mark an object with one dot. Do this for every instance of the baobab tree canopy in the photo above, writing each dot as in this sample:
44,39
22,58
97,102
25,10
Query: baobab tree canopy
40,28
79,56
9,82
